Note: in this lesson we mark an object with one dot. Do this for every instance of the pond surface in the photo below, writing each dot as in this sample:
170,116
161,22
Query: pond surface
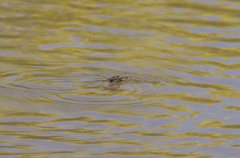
182,59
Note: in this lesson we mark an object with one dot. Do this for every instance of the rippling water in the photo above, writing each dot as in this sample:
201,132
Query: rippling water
181,98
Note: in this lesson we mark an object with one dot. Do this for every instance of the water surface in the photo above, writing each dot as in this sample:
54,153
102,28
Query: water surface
182,99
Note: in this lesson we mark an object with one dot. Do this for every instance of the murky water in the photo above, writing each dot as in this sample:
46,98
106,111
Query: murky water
181,57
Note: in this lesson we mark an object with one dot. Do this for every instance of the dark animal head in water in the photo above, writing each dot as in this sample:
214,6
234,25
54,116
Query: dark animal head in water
117,79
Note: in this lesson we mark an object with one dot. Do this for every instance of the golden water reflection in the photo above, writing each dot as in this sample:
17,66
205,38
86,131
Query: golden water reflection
181,98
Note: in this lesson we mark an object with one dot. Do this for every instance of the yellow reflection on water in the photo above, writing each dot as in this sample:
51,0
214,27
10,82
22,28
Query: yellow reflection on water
181,60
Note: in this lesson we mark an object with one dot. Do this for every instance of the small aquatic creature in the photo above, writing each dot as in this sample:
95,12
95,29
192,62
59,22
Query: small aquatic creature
117,79
113,83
